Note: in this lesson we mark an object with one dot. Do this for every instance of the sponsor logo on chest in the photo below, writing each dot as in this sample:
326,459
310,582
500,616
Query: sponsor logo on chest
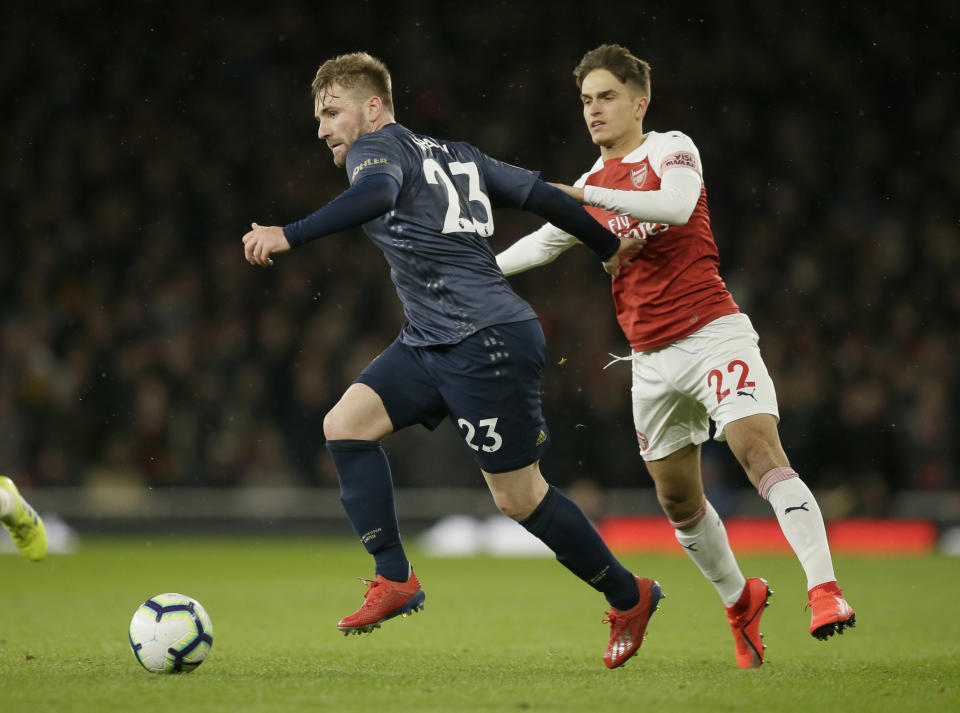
625,227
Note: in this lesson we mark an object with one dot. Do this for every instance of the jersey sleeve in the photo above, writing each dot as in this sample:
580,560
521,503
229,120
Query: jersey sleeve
506,183
538,248
676,152
370,197
672,204
676,160
372,153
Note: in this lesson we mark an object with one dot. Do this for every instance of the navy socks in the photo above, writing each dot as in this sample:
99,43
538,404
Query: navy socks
366,491
564,528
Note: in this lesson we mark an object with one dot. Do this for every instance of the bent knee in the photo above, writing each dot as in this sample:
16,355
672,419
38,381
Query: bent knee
339,424
679,498
517,493
759,457
755,442
679,507
358,415
519,503
333,426
516,508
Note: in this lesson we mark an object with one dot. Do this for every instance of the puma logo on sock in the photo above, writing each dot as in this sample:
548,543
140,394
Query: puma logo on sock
798,507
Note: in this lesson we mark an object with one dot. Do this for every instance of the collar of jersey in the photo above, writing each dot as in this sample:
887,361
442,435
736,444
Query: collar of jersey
635,156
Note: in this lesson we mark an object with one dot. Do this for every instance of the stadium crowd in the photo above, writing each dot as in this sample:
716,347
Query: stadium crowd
137,345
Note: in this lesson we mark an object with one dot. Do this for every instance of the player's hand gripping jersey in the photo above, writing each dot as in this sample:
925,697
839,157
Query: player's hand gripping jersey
673,286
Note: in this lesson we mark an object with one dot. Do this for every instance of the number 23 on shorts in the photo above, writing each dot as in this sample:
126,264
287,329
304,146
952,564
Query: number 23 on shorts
489,442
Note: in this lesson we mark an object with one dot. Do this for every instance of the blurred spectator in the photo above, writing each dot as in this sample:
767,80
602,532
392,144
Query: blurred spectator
135,341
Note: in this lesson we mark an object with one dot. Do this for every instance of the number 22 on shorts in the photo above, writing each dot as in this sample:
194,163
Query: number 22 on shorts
742,383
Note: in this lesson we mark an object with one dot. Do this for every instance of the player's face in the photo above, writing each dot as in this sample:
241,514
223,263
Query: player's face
612,111
342,121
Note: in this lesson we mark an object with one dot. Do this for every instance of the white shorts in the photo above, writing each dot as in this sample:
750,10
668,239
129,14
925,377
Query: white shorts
715,373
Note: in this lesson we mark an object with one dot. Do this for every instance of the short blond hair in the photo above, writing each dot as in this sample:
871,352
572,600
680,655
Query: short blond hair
617,60
355,71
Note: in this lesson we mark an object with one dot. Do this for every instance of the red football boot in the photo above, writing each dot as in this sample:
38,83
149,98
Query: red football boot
627,627
744,618
830,611
384,599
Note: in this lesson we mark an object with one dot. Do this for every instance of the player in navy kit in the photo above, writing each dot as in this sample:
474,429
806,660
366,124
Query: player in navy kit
470,349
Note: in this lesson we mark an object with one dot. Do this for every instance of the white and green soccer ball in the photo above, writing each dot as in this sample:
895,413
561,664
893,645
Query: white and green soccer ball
171,633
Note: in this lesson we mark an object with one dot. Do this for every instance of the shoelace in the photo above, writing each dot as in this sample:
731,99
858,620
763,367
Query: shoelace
616,358
372,584
833,600
611,619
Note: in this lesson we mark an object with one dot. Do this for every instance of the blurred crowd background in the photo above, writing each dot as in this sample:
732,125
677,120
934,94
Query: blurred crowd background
141,139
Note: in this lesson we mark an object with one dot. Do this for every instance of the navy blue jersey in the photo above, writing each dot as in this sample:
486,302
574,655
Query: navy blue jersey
436,239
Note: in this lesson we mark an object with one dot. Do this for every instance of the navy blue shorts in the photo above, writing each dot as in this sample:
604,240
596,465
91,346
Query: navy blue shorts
488,385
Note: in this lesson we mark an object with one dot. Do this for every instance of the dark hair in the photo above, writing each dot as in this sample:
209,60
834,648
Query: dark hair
620,63
357,70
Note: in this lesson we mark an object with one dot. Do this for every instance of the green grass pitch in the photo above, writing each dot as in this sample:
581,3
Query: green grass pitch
496,635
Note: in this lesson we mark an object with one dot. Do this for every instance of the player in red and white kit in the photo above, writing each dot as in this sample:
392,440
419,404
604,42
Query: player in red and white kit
695,356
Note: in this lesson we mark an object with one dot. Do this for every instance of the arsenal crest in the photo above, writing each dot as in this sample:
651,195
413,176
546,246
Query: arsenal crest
638,176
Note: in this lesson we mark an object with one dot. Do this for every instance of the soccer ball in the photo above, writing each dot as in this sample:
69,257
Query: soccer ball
171,633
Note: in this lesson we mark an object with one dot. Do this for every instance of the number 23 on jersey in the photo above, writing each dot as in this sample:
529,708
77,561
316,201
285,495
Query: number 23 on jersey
454,220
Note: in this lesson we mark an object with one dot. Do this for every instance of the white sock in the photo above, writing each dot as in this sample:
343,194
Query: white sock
801,522
705,541
8,503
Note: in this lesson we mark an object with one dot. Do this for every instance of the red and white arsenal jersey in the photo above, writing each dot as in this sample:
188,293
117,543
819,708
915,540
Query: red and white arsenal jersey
673,286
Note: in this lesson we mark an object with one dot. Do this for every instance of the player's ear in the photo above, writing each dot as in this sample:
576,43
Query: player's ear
642,104
374,108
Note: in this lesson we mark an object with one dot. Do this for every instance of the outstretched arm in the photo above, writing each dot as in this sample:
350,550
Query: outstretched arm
544,245
368,198
538,248
566,214
672,204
